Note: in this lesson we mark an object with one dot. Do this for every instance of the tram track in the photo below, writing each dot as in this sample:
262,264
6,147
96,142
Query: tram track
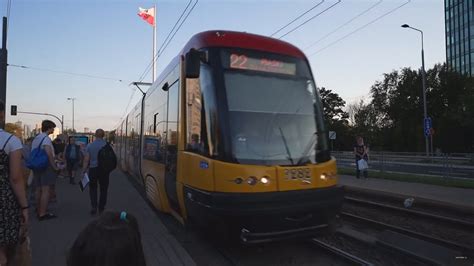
437,210
356,247
448,220
440,224
426,237
354,260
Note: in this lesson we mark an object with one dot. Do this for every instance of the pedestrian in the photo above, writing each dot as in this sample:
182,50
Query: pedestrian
73,157
26,156
13,202
361,152
111,240
58,146
45,178
98,176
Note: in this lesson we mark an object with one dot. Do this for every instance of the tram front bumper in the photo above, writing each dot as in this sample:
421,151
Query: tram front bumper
267,215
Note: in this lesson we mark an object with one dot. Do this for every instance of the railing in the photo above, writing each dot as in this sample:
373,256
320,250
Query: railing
460,165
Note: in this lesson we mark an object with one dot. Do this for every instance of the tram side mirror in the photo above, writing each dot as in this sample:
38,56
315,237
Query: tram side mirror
193,63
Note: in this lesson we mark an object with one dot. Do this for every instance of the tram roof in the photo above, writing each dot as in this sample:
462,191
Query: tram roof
222,38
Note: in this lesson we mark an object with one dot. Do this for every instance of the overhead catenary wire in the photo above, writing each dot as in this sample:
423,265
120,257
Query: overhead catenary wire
361,27
66,73
142,76
9,7
344,24
179,27
165,44
126,108
160,51
298,17
311,18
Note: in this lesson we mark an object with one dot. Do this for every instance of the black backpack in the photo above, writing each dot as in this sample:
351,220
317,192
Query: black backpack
107,158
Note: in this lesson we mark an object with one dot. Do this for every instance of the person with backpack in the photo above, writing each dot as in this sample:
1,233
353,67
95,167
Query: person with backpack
13,203
73,157
101,160
45,170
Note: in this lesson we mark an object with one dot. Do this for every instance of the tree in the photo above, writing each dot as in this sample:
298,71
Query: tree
332,107
451,104
336,117
394,117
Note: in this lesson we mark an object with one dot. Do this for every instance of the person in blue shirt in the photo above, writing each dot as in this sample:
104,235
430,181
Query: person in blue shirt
73,157
97,177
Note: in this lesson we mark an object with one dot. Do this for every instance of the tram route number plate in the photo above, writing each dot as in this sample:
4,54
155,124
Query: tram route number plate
332,134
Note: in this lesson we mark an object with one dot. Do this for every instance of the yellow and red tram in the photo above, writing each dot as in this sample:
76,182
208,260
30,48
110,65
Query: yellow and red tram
232,132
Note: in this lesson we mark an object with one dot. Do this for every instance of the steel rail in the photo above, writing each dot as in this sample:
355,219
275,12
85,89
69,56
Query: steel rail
413,212
341,253
439,241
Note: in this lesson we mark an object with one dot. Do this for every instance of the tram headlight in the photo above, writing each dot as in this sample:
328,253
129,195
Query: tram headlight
252,180
238,180
264,180
327,176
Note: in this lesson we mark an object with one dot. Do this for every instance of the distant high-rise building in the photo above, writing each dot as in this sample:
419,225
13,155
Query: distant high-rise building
459,27
27,131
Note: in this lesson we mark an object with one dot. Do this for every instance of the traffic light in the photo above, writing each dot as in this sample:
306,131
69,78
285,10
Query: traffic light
13,110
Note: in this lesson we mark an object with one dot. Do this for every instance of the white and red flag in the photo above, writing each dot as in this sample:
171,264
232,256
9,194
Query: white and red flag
148,15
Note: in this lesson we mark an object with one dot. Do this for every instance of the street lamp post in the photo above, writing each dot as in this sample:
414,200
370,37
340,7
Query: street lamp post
72,99
423,77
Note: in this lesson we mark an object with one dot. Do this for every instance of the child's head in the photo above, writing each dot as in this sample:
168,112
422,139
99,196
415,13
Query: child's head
111,240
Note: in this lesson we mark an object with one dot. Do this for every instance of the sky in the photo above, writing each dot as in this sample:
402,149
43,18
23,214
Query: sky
106,38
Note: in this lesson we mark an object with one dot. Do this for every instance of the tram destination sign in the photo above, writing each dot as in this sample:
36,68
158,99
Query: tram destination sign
242,61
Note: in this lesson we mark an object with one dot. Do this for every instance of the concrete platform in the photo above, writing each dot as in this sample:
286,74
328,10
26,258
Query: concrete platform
52,239
461,197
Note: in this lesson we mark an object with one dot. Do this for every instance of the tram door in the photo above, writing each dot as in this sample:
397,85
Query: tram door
172,147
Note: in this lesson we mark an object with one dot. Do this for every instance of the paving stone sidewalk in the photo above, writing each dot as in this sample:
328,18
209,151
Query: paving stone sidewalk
51,239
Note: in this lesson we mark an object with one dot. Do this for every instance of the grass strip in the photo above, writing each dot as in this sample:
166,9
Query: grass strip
424,179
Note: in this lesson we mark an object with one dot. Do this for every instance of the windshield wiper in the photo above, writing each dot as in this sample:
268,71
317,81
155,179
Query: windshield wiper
308,148
286,146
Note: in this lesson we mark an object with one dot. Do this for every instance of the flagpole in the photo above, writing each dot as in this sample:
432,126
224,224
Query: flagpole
154,45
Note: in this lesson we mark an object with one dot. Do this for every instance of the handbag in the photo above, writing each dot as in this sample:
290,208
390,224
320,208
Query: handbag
362,164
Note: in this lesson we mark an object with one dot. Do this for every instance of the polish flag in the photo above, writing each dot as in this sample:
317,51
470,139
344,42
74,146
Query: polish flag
148,15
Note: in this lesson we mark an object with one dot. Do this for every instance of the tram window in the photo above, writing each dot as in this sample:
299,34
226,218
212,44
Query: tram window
155,119
172,126
173,115
161,131
195,139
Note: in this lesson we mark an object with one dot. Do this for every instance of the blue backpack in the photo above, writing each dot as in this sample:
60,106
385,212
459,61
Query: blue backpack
38,158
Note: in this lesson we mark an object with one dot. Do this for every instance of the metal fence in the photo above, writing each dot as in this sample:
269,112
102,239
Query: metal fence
459,165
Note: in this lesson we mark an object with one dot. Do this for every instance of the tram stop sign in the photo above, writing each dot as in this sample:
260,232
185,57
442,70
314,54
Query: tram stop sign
427,126
332,134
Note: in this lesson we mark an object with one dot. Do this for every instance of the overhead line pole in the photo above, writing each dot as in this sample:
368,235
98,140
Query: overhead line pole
423,80
3,68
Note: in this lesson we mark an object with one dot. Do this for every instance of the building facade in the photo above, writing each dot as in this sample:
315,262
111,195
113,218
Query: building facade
459,27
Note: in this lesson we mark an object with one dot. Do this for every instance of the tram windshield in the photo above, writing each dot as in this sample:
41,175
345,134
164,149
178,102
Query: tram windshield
274,111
